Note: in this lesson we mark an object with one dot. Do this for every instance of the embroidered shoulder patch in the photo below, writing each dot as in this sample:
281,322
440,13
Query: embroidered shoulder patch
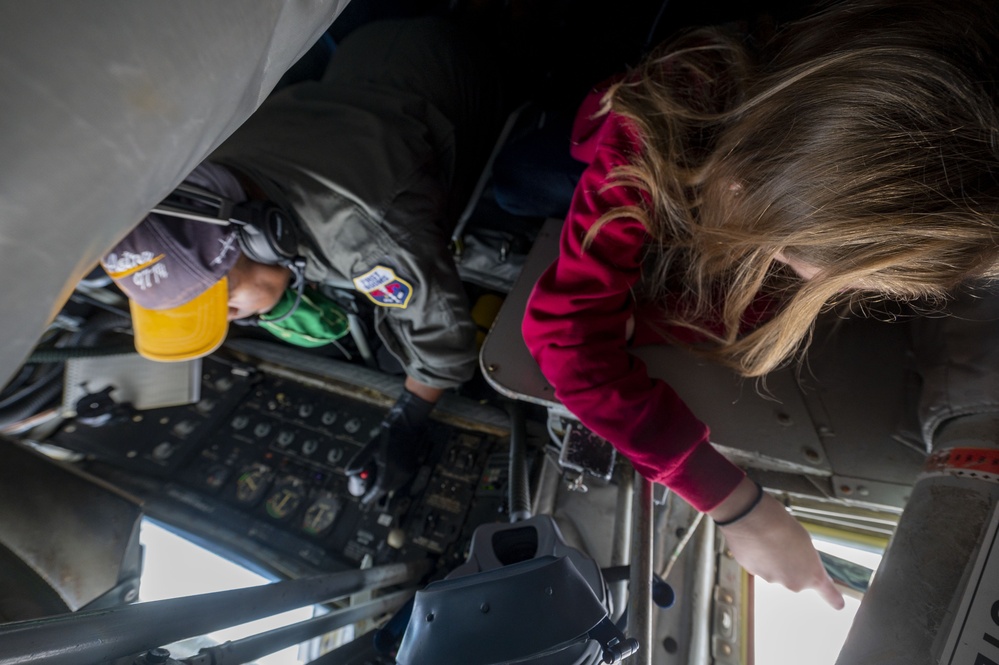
383,287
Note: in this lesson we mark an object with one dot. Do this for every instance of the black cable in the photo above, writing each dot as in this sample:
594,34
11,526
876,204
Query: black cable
62,351
96,326
518,484
31,407
19,379
32,388
69,352
81,297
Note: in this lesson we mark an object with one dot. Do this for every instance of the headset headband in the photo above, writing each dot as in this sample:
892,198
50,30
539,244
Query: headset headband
190,202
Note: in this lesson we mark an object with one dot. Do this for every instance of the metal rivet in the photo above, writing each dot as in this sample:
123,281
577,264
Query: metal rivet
484,608
726,649
784,419
491,368
430,617
548,591
811,454
846,489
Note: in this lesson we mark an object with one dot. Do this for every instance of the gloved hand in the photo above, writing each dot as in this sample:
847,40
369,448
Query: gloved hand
393,455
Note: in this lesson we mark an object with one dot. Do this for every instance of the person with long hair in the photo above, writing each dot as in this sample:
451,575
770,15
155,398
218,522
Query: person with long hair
731,196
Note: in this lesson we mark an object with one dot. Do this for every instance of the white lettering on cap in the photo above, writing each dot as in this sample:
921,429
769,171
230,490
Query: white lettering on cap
126,261
147,277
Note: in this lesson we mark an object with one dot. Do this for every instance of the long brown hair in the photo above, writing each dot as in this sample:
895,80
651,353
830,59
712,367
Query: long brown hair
864,142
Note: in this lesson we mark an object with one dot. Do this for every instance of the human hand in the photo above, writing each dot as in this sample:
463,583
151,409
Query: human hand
769,543
392,456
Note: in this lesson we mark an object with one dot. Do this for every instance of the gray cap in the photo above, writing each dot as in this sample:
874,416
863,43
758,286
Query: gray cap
174,273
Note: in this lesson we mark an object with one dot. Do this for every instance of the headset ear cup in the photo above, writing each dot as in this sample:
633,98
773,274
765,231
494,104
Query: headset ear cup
282,234
255,245
268,235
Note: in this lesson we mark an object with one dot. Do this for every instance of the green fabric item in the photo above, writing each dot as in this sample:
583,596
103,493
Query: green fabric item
317,321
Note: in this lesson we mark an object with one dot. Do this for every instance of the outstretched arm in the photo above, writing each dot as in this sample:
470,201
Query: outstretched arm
771,544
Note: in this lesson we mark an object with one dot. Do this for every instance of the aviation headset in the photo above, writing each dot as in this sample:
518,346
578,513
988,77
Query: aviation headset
265,231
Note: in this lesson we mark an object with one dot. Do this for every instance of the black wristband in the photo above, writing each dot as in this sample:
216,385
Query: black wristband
749,508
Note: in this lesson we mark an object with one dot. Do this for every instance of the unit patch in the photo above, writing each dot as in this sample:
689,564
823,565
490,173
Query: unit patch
384,287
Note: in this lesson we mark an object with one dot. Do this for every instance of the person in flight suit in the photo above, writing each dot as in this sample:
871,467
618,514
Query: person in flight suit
371,166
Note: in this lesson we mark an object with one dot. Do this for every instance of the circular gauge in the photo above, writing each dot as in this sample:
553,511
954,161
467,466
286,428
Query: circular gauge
309,446
285,438
334,455
287,496
321,514
252,483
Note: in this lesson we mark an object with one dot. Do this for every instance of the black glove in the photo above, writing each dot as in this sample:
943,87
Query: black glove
393,455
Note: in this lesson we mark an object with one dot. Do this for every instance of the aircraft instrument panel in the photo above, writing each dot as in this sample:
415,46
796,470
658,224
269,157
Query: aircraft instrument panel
256,465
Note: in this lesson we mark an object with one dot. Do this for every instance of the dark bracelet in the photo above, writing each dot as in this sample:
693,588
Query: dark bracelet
749,508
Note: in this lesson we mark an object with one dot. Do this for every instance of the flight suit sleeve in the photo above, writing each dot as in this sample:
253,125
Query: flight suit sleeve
422,312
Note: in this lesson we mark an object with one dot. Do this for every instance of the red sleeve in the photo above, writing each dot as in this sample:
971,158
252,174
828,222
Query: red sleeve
575,329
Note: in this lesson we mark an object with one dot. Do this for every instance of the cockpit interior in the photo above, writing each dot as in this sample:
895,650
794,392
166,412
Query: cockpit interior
523,537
